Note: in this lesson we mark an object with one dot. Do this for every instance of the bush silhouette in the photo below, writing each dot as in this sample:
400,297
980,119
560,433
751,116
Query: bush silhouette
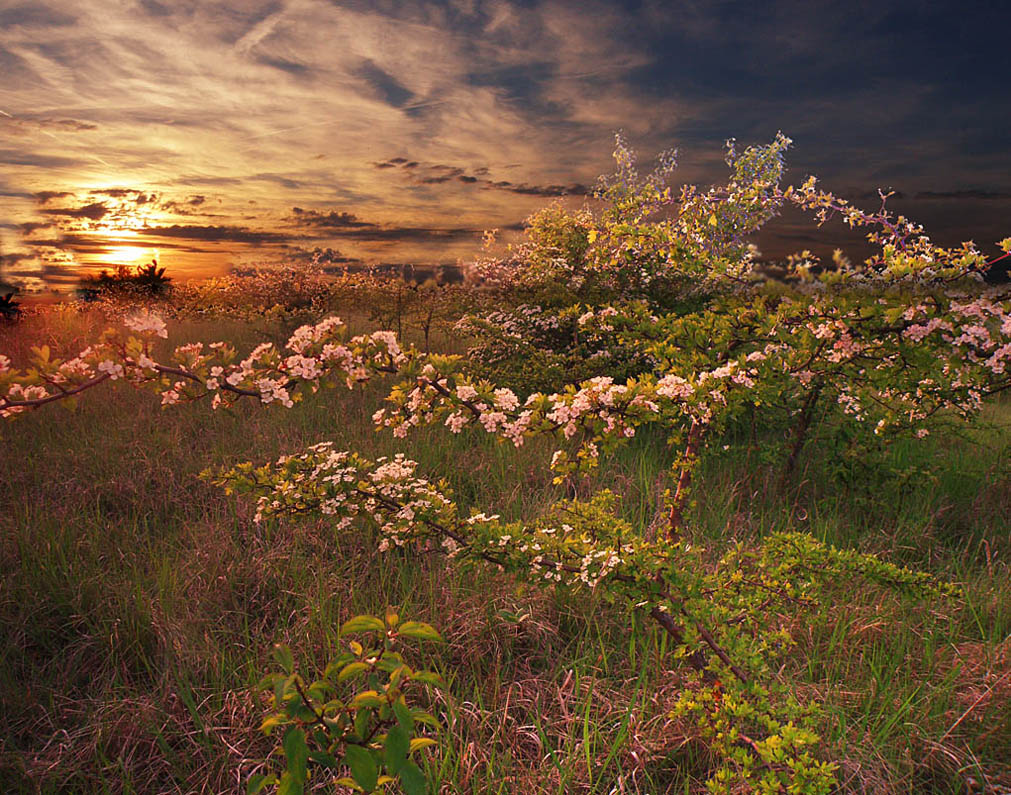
147,280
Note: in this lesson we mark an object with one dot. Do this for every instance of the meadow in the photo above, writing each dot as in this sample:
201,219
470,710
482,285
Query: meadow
140,604
682,527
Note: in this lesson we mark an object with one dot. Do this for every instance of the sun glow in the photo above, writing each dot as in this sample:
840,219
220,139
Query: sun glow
129,255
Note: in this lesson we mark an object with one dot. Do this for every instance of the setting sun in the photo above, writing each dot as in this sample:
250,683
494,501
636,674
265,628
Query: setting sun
129,255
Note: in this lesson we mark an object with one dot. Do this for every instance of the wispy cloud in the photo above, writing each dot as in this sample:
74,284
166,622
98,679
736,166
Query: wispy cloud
480,110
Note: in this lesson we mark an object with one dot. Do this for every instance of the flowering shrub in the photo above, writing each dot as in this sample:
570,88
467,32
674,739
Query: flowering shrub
728,621
632,318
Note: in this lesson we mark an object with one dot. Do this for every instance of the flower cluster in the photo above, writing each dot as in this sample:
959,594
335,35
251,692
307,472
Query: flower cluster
313,354
736,609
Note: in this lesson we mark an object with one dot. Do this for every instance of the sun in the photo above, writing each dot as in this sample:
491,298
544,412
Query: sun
127,255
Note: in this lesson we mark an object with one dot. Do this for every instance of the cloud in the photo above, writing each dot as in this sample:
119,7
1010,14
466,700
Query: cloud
347,226
291,67
45,196
439,174
94,211
960,195
335,219
385,85
33,15
278,179
482,109
19,157
408,234
215,233
32,226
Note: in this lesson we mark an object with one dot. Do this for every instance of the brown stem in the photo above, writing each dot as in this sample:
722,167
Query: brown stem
677,505
310,707
6,403
800,433
697,659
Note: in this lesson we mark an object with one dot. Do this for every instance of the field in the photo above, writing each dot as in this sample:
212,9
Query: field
139,603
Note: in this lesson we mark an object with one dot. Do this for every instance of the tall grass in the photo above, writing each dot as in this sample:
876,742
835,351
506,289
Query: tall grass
138,604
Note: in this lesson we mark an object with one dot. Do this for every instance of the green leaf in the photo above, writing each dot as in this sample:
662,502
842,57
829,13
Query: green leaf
413,780
351,670
363,766
363,624
417,743
258,782
271,722
420,716
392,618
323,759
282,654
396,748
420,630
296,752
290,785
403,713
268,682
428,677
337,664
368,698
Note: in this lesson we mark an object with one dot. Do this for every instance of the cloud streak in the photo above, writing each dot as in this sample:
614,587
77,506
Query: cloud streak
434,120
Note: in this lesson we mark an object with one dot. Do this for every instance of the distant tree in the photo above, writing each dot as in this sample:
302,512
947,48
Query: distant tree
143,281
10,310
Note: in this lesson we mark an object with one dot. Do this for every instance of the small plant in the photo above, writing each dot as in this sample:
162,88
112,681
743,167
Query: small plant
355,724
10,309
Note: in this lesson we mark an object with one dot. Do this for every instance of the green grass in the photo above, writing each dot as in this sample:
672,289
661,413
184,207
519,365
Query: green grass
138,604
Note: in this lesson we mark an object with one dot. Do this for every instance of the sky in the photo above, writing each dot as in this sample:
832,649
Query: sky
210,135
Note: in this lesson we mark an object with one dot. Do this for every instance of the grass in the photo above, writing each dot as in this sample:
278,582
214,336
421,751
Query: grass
138,604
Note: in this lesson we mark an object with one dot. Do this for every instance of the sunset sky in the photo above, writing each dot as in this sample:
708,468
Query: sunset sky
213,134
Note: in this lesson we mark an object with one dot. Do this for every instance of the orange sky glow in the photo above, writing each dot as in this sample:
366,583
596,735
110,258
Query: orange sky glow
209,136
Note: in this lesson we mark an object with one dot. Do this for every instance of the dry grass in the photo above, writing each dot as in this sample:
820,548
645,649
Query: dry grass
138,606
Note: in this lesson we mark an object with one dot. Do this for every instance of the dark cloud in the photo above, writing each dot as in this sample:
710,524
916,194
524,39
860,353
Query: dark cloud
521,86
33,15
196,180
278,179
11,259
575,189
385,85
235,234
20,157
95,211
327,258
965,194
26,123
347,226
45,196
33,226
291,67
438,174
73,125
100,245
408,234
187,206
335,219
15,69
155,8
